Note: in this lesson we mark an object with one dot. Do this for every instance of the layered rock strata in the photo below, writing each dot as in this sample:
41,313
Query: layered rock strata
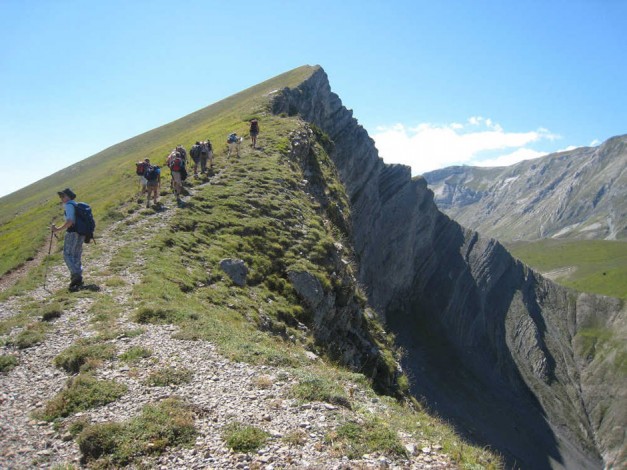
492,346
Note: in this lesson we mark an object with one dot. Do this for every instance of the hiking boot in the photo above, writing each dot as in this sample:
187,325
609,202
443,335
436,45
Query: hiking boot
76,283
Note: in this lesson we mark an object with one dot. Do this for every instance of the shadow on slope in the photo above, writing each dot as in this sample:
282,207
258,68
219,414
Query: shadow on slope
460,358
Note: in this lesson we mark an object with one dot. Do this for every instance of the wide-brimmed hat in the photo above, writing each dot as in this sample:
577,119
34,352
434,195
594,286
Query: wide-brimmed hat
67,192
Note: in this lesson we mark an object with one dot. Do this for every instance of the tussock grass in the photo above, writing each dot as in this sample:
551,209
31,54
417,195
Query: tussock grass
169,423
169,376
7,363
318,387
83,355
81,393
355,439
241,437
135,354
33,334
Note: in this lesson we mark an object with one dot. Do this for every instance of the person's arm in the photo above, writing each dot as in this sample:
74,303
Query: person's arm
70,214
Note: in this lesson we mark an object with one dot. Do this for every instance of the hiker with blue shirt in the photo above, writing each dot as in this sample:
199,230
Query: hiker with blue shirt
73,241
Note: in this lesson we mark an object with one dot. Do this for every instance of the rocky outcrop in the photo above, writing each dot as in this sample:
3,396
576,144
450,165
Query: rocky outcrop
580,193
506,355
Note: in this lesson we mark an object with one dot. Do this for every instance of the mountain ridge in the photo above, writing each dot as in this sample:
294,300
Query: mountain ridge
578,193
431,278
293,357
514,361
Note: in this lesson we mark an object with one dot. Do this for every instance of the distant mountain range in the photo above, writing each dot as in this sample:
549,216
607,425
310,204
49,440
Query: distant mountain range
577,194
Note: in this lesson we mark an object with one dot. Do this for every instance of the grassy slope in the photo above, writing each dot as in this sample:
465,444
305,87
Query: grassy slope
107,179
597,266
256,209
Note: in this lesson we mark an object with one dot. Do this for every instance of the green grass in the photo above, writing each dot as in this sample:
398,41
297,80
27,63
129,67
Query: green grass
319,387
598,266
7,363
33,334
81,393
354,439
169,423
135,354
241,437
107,179
83,355
169,376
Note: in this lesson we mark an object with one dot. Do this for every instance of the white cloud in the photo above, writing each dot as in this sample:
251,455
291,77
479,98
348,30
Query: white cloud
511,158
430,146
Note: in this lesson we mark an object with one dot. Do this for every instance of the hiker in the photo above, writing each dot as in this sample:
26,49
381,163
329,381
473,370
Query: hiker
206,154
182,152
153,179
176,163
194,152
233,142
140,168
254,132
73,242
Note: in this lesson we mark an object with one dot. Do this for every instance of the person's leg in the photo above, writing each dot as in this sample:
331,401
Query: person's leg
178,183
72,253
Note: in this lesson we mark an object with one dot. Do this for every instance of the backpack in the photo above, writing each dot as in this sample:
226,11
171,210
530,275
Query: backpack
204,148
176,163
232,138
140,168
195,151
85,223
254,126
152,173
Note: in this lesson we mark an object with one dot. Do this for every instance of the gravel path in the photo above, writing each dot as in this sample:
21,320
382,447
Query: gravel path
221,391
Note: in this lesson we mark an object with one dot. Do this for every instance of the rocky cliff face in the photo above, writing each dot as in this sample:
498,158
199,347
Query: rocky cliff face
576,194
515,361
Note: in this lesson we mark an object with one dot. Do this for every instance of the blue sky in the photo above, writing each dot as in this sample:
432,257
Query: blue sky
434,83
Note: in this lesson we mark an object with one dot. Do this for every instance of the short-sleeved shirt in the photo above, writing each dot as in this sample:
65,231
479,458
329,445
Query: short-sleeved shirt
70,213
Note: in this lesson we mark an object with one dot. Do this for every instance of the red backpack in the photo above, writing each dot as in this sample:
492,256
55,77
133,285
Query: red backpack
176,164
140,167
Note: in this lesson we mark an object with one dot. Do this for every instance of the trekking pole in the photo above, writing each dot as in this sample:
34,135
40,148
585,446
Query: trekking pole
52,234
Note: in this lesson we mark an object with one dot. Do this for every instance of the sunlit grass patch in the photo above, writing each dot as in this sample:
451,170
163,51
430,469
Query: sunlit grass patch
81,393
31,335
83,355
135,354
169,376
241,437
319,387
169,423
354,439
7,363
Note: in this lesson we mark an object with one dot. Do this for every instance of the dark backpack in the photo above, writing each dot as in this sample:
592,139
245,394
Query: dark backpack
232,138
152,173
195,151
84,223
140,168
254,126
